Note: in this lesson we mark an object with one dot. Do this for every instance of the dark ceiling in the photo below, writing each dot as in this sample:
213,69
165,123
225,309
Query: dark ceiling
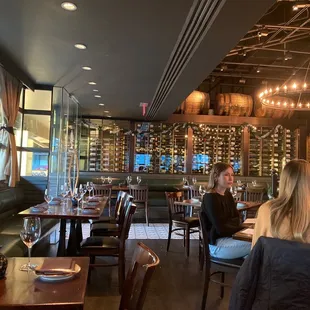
275,51
139,51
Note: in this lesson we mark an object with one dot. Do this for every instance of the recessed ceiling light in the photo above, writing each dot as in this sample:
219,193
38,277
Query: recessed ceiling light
101,104
97,96
106,111
86,68
69,6
109,116
92,83
95,90
80,46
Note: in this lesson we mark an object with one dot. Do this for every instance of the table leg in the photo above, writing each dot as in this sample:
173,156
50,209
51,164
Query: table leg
62,239
72,242
79,235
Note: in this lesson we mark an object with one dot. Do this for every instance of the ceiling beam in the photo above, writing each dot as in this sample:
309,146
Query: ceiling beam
247,76
262,65
282,27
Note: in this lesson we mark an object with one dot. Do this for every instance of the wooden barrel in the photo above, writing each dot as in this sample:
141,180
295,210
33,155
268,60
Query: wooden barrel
234,104
196,103
263,111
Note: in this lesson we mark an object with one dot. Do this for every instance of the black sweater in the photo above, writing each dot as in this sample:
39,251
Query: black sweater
222,215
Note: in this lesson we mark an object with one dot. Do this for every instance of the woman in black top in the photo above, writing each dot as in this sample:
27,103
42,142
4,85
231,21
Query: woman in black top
222,215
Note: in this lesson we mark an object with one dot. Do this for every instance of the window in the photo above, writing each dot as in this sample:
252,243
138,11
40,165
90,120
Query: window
38,100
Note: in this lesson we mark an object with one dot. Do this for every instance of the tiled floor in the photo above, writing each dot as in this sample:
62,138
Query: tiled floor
142,231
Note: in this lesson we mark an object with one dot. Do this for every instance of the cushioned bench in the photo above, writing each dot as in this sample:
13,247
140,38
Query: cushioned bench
11,202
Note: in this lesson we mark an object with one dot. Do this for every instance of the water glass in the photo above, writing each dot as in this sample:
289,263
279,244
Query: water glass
129,179
89,187
110,180
194,180
47,197
30,235
239,183
254,183
102,179
185,182
202,190
139,179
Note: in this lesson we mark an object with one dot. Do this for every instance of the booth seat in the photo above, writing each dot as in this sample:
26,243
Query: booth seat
11,202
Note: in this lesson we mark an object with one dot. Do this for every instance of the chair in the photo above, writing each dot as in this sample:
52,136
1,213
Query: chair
138,278
110,246
140,194
115,218
254,194
178,219
104,190
112,229
194,191
220,266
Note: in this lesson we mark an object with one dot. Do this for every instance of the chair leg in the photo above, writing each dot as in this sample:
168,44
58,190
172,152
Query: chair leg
201,257
184,237
146,214
206,287
222,287
169,237
121,273
187,241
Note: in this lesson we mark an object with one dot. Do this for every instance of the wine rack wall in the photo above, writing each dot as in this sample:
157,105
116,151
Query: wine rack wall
273,152
164,148
160,152
216,143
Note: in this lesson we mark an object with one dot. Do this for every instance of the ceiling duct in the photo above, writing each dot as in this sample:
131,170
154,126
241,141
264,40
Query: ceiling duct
199,20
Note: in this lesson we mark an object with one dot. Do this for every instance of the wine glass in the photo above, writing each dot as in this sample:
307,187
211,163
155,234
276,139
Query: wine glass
254,183
139,179
63,191
202,190
47,197
89,188
239,183
78,195
102,179
30,234
129,179
185,181
110,180
194,180
233,191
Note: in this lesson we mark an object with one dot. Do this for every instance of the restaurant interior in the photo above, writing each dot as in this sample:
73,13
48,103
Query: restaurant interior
112,117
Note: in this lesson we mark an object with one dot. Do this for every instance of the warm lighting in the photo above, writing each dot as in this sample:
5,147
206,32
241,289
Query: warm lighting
294,85
80,46
86,68
285,104
305,85
92,83
106,111
285,87
97,96
69,6
102,104
109,116
277,89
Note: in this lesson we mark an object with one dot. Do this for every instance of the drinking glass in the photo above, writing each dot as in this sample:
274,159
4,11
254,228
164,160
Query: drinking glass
129,179
202,190
102,179
47,197
78,195
194,180
110,180
89,187
233,191
185,181
139,179
30,234
63,191
254,183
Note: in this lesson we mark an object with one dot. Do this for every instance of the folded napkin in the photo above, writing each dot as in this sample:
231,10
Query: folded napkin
56,266
40,207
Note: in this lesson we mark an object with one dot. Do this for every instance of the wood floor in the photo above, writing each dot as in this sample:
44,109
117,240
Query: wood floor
176,285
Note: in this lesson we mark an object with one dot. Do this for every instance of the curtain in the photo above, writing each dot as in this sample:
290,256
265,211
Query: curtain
10,90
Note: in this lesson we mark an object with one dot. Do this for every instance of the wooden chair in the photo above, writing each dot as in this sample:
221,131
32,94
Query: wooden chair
220,266
104,190
178,219
140,194
138,278
112,229
194,191
110,246
115,218
254,194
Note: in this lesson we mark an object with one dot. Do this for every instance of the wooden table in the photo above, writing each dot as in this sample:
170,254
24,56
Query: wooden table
189,203
75,216
243,236
24,290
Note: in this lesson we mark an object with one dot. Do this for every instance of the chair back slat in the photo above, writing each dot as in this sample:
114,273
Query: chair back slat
171,197
124,205
138,278
254,194
139,193
119,204
194,191
104,190
129,211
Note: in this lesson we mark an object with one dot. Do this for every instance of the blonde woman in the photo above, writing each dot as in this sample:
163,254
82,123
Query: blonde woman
288,216
222,216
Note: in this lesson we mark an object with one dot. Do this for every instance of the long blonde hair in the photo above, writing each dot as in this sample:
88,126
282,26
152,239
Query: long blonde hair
293,201
217,169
